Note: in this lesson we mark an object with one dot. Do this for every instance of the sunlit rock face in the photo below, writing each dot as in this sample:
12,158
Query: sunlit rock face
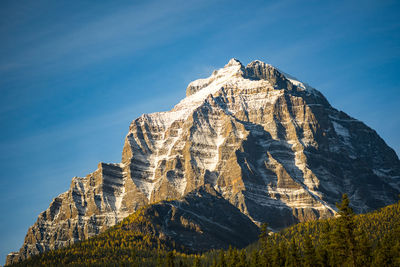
270,145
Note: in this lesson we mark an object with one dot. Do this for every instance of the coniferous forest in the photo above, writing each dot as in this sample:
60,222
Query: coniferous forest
371,239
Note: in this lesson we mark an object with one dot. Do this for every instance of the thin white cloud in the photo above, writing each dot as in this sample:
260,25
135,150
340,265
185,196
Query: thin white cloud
125,30
86,126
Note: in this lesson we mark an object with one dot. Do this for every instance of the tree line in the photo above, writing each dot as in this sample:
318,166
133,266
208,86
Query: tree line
371,239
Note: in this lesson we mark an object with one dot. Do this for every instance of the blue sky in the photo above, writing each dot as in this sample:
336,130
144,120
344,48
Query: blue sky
73,74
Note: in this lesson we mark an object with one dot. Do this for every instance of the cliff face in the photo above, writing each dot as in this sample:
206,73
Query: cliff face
270,145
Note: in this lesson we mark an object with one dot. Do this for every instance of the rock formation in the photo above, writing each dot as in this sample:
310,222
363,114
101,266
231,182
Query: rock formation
199,221
270,145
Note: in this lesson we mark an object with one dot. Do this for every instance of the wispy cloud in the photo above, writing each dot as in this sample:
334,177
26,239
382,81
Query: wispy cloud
126,29
86,126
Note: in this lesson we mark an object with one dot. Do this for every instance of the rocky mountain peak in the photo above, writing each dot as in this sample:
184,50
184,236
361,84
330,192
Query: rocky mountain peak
252,137
234,68
234,62
257,62
236,72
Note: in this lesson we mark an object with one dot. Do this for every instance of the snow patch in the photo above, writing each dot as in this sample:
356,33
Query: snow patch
342,132
299,84
144,186
119,198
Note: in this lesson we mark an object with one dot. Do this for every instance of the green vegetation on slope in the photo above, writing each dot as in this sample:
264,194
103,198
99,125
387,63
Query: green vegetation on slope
371,239
132,242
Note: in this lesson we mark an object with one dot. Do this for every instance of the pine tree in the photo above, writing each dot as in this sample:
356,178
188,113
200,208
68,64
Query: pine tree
160,262
343,243
265,245
292,255
363,249
310,257
170,259
324,244
233,258
264,235
346,220
229,253
221,259
255,259
196,262
383,255
215,262
242,259
278,254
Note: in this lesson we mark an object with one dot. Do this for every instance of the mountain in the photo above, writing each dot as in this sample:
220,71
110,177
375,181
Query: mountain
270,145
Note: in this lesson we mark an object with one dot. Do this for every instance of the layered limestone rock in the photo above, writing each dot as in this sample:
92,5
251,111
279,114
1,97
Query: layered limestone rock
270,145
90,206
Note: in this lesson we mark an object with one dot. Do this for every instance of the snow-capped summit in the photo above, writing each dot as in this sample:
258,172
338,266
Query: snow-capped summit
268,144
233,62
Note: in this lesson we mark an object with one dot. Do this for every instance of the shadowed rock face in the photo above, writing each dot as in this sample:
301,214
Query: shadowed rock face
200,221
270,145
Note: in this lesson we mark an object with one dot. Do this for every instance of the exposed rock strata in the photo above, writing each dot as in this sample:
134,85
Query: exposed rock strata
270,145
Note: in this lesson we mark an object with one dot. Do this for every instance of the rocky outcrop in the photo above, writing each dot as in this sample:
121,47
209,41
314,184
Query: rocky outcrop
270,145
200,221
90,206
